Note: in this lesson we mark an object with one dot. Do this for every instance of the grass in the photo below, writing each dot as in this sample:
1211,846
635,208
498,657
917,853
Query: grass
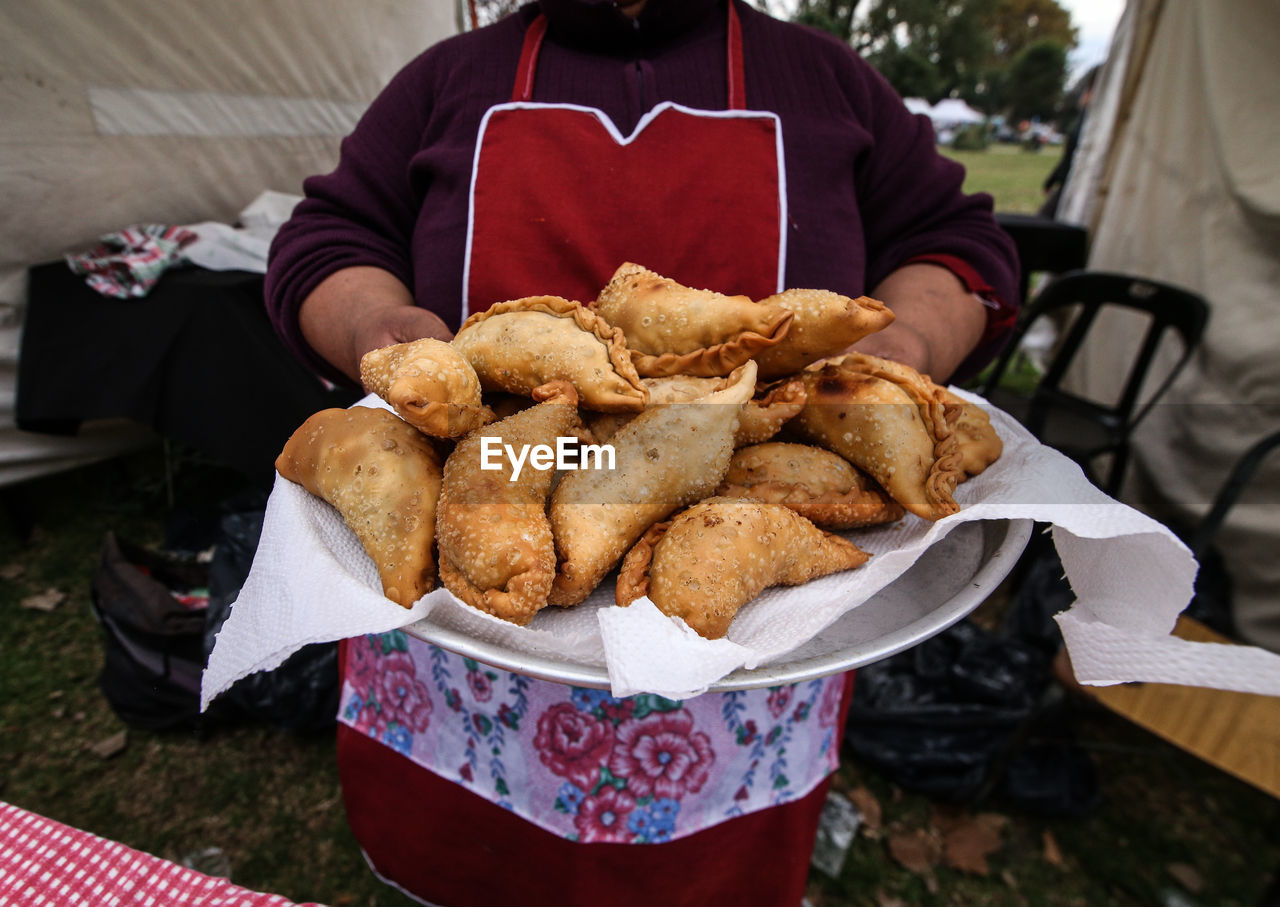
270,802
1012,175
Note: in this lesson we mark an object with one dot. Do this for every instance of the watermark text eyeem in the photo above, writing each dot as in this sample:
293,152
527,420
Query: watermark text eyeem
568,454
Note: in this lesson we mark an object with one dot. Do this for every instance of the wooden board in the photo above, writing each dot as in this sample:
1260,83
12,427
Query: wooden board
1237,732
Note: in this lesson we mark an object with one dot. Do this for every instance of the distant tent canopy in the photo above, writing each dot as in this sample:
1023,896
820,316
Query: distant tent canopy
954,112
919,105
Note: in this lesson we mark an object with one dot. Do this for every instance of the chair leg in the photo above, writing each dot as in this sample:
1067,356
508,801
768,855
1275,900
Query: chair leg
1116,471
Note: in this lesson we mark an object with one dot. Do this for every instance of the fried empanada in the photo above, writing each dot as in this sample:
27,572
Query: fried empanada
825,324
817,484
976,437
889,421
772,407
522,344
672,329
664,458
721,553
383,476
496,550
761,418
430,384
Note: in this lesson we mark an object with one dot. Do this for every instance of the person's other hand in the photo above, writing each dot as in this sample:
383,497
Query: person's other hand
899,342
937,322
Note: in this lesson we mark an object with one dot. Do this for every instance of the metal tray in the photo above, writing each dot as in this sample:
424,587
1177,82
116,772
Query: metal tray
948,582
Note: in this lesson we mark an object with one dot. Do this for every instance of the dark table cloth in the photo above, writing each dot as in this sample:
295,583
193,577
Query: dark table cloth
196,360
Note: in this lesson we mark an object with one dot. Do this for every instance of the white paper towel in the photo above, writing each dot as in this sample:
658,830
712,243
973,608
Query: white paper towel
312,582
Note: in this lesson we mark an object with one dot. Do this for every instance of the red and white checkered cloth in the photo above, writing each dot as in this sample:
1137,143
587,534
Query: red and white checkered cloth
128,263
47,864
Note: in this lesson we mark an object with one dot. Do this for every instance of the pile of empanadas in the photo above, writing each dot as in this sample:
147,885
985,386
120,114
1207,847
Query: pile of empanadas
704,446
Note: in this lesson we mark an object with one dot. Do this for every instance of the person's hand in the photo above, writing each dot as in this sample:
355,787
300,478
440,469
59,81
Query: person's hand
359,309
900,342
392,324
937,321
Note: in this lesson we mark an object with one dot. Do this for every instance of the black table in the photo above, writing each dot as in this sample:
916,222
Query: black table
196,360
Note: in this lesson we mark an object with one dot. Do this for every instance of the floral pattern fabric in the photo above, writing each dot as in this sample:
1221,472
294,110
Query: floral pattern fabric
583,764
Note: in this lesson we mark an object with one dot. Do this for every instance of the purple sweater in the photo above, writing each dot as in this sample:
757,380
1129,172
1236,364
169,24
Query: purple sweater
866,189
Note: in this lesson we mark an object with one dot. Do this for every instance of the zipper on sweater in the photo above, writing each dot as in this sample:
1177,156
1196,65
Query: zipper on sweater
639,65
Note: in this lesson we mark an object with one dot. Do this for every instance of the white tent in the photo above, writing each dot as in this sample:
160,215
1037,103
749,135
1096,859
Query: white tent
1177,178
954,112
919,105
115,112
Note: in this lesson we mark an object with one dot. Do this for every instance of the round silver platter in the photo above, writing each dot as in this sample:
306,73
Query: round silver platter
949,581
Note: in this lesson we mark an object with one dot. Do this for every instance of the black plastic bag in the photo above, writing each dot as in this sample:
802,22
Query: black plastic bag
157,637
302,693
1041,592
152,641
941,718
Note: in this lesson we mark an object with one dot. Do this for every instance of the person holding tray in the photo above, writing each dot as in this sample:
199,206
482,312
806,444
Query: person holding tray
710,143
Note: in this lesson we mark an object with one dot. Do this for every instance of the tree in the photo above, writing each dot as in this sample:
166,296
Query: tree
1036,79
966,48
948,35
834,16
1014,25
911,75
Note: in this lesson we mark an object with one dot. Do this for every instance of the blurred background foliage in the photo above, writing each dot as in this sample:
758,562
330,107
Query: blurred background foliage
1006,58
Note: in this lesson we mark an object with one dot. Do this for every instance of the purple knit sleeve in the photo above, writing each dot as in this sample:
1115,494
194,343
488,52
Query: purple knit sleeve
361,214
912,203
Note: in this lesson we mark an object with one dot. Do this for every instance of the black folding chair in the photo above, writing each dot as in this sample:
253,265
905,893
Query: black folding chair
1082,428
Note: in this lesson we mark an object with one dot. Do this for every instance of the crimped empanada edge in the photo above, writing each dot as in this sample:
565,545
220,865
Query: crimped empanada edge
711,361
829,510
938,417
614,340
633,574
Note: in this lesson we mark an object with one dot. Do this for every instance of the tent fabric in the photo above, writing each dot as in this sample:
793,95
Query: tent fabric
954,112
918,105
116,112
1179,182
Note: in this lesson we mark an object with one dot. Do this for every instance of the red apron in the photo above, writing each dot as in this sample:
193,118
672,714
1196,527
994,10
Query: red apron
560,198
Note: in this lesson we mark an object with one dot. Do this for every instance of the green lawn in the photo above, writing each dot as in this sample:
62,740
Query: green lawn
1010,174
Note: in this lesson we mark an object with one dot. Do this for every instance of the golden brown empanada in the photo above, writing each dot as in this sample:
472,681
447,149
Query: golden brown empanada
504,404
430,384
772,407
672,329
665,458
496,550
721,553
825,324
522,344
816,483
383,476
761,418
889,421
976,437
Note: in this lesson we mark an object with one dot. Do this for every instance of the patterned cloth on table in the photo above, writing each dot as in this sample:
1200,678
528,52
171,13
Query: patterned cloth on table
128,263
